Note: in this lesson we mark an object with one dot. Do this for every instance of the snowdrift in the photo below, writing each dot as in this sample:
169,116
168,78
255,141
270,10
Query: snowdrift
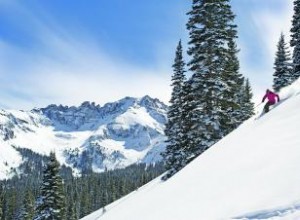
253,173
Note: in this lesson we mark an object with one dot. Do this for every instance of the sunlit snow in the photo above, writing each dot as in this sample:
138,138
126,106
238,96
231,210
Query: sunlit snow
253,173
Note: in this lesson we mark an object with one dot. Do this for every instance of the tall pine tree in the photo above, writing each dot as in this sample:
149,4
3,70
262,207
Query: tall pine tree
295,40
51,203
282,66
174,127
232,102
212,32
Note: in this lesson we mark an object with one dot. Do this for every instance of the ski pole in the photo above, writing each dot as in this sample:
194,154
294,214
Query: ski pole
258,105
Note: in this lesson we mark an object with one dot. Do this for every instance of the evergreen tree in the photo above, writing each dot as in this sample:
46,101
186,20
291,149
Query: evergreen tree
27,211
211,31
11,204
90,186
282,74
174,126
51,203
86,206
232,102
295,40
189,141
247,105
71,212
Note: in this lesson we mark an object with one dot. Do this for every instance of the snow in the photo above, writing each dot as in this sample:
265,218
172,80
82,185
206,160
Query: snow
9,160
253,173
138,115
125,132
112,145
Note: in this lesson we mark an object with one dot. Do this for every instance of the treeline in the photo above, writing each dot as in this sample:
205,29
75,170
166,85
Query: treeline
55,194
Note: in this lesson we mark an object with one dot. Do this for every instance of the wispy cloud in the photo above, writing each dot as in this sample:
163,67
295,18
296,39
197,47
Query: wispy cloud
70,65
69,68
271,23
265,23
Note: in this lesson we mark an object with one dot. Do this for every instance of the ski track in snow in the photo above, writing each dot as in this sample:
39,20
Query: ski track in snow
277,213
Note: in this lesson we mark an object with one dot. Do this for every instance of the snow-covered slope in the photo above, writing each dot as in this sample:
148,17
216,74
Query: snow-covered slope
85,137
253,173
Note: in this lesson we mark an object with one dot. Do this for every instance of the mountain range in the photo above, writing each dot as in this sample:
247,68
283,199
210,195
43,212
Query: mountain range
86,138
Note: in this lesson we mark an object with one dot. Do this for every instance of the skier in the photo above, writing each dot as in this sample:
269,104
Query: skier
271,96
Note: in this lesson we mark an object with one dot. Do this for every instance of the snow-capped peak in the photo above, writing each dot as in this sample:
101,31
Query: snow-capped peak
88,136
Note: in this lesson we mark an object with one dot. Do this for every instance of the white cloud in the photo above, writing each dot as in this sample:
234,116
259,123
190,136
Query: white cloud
73,74
271,23
266,25
71,68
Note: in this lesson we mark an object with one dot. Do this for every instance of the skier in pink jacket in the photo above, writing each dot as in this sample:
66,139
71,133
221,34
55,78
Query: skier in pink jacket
271,96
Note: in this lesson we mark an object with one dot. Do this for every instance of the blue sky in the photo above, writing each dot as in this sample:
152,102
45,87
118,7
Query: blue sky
70,51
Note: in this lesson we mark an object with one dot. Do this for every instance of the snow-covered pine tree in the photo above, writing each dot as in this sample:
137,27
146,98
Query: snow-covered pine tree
188,141
51,203
27,210
174,128
232,102
211,29
282,66
295,40
204,120
247,106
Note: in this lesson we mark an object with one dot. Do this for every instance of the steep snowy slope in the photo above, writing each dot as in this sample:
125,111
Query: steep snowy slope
88,137
253,173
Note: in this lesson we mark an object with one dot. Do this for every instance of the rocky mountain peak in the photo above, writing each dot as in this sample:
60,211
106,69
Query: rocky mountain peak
149,102
87,136
89,115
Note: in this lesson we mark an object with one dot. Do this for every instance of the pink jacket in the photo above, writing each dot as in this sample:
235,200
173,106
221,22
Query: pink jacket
271,96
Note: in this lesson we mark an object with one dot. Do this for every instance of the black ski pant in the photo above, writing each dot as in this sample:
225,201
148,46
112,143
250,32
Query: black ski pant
267,106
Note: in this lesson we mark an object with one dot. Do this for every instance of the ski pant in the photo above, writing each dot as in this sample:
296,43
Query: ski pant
267,106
